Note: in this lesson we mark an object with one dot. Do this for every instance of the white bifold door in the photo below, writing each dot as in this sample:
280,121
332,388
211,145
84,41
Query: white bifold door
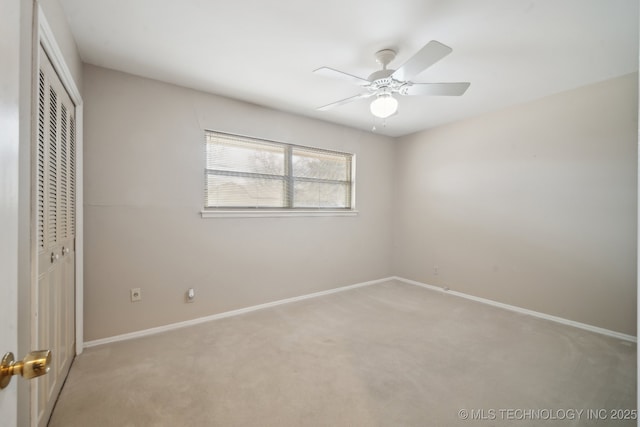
54,201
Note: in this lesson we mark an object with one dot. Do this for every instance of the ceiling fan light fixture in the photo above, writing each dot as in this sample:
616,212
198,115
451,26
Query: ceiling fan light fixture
384,106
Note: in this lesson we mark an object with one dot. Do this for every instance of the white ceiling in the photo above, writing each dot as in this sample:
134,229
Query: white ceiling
264,52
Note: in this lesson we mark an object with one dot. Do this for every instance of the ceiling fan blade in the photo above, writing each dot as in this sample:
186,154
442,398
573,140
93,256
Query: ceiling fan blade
330,72
436,89
431,53
345,101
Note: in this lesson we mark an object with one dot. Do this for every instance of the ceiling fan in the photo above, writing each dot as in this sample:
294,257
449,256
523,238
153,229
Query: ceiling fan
384,83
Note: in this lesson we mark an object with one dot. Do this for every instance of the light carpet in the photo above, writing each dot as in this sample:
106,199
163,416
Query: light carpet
390,354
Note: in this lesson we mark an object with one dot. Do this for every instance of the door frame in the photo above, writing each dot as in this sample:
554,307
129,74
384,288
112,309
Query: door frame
47,39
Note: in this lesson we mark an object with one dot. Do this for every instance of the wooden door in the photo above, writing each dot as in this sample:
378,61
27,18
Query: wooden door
55,220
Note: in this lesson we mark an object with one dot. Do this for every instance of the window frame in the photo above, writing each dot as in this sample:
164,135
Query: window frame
288,180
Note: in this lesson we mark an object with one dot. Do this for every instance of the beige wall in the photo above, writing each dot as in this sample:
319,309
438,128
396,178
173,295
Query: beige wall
144,179
533,206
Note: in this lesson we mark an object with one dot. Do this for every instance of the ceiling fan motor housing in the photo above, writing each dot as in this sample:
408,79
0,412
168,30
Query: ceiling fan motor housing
381,80
380,74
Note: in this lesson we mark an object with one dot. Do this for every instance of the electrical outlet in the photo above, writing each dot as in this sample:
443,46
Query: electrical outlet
136,294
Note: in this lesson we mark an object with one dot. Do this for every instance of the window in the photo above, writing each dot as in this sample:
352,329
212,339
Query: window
252,174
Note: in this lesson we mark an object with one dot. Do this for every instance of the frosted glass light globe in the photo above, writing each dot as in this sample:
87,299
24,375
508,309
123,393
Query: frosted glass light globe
384,106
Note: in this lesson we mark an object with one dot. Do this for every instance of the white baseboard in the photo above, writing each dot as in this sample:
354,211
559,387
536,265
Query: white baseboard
521,310
159,329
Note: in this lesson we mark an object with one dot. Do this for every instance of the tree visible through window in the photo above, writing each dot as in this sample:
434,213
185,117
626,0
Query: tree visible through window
244,172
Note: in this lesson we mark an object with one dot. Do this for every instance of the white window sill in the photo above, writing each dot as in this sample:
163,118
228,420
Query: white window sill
269,213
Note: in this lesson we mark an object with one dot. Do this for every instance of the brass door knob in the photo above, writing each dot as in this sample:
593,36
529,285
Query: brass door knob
33,365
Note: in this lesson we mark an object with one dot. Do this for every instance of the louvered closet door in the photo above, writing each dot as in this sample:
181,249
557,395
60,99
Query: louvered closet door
55,194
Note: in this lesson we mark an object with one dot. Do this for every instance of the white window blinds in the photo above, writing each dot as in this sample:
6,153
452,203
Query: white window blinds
244,172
